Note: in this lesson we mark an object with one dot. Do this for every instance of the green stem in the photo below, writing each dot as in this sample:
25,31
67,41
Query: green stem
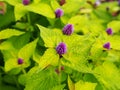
59,68
28,17
17,84
23,70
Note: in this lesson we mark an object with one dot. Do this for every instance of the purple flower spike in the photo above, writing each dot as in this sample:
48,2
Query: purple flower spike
20,61
26,2
109,31
68,29
61,48
107,45
59,12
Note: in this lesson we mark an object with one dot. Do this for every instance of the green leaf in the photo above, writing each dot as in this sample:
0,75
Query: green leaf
36,1
114,25
114,41
46,79
50,57
26,52
8,17
75,5
54,4
108,75
81,85
71,85
7,33
42,9
36,56
77,54
19,41
10,64
97,50
6,45
7,87
76,21
22,79
19,11
51,38
15,2
58,87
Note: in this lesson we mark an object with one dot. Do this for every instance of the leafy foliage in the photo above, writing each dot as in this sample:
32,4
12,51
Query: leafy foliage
32,33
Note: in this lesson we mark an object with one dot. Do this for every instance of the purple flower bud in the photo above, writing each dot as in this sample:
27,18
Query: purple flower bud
68,29
59,12
57,71
20,61
62,68
109,31
62,2
107,45
61,48
26,2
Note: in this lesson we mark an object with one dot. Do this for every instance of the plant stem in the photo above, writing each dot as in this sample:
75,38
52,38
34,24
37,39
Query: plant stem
17,84
28,17
23,70
59,68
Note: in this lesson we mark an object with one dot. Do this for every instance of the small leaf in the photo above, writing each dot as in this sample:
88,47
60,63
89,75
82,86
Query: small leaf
76,21
85,85
43,80
42,9
19,11
50,57
114,42
77,54
7,33
51,38
26,52
108,75
114,25
10,64
71,85
22,79
15,2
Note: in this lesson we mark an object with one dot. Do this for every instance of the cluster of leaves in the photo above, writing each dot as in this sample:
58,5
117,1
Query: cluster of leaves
29,35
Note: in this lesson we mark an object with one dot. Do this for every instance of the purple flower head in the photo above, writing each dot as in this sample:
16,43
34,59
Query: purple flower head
20,61
59,12
107,45
109,31
26,2
68,29
61,48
